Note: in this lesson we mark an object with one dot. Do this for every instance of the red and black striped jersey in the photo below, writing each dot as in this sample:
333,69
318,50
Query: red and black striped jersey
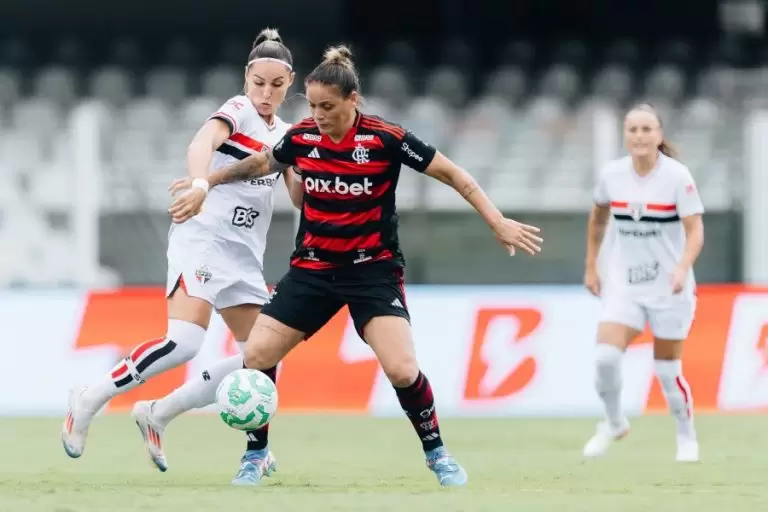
349,216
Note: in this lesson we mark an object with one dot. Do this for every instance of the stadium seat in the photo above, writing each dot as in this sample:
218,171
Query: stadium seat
449,85
56,83
390,84
221,83
147,114
613,83
9,87
507,83
37,115
167,84
111,84
196,110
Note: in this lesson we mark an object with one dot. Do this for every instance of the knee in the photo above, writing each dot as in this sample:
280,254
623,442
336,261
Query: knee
668,371
403,372
607,356
187,336
257,358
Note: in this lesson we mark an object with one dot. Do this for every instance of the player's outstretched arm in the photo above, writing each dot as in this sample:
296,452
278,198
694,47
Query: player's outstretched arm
511,234
255,166
598,222
199,153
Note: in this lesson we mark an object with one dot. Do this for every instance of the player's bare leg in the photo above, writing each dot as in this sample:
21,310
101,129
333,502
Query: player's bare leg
188,321
390,338
669,372
612,340
269,342
153,416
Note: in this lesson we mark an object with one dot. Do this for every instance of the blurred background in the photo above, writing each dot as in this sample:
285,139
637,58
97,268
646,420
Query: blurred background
98,103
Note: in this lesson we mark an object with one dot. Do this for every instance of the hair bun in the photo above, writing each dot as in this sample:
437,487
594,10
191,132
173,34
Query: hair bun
268,34
338,55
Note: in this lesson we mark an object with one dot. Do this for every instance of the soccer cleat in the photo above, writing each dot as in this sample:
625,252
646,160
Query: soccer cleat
254,466
687,449
445,467
152,431
74,430
605,436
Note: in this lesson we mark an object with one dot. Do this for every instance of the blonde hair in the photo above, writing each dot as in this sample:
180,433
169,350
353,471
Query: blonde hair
665,147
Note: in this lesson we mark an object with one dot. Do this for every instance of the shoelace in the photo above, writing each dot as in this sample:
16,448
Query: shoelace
445,464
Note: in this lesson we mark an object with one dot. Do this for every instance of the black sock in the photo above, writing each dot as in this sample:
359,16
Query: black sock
258,439
419,405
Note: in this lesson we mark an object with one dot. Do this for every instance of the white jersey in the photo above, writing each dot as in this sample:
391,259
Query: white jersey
649,238
239,213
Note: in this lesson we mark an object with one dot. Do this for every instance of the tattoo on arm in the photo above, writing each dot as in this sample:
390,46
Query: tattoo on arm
255,166
468,189
273,165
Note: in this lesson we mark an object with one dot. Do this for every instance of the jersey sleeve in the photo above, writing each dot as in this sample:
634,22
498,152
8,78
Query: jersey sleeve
687,197
600,191
232,112
285,150
410,150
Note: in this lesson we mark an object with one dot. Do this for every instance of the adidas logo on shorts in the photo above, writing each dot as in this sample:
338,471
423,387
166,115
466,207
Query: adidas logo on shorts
396,303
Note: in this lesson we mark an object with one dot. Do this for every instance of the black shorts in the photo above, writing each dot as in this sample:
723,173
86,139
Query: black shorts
306,300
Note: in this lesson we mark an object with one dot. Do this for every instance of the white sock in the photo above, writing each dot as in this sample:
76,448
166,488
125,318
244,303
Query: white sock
608,381
197,392
181,343
678,394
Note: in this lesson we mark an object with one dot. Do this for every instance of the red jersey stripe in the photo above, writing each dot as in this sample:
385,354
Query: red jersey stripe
656,207
377,124
312,264
305,123
365,242
342,167
246,141
345,218
376,192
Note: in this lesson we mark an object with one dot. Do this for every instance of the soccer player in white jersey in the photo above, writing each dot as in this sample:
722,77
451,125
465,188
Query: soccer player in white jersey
648,274
214,258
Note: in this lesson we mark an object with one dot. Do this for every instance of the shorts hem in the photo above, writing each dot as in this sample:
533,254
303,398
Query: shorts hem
367,318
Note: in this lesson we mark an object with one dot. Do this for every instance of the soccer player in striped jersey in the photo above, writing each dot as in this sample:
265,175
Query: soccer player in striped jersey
648,274
347,250
214,258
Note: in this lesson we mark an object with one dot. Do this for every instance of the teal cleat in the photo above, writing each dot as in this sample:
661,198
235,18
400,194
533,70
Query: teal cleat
448,471
254,466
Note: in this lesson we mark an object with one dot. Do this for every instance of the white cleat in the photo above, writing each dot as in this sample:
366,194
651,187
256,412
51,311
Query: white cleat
605,435
152,431
74,430
687,449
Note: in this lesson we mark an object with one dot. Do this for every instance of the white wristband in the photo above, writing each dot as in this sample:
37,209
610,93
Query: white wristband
201,184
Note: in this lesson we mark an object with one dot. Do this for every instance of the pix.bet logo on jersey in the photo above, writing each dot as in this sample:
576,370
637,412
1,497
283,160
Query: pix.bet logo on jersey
338,186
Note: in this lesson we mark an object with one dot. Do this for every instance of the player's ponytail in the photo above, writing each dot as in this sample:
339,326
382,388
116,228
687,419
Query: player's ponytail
268,34
337,69
666,148
268,45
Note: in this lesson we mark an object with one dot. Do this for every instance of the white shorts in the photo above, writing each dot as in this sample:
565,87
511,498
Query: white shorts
216,271
669,318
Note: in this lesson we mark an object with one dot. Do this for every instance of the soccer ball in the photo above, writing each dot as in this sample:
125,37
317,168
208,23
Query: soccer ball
247,399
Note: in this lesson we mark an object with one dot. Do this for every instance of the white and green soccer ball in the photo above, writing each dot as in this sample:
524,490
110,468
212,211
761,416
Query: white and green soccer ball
247,399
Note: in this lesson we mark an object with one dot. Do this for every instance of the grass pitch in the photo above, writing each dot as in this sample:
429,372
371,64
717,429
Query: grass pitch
367,464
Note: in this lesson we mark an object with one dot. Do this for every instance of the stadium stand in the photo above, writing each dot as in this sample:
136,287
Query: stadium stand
522,124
